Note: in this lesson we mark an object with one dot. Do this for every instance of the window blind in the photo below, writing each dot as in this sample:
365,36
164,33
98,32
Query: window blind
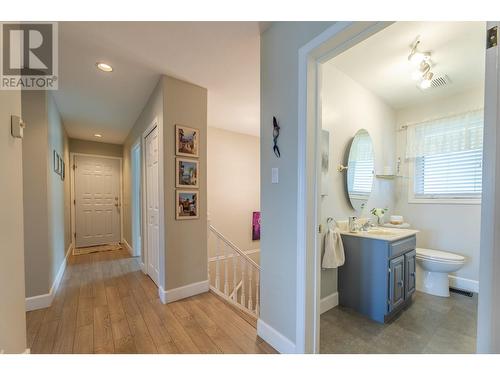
449,175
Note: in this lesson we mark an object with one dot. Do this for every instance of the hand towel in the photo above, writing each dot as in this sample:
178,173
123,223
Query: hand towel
334,249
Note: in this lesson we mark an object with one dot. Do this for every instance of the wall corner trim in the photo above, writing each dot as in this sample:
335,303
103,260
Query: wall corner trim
171,295
279,342
328,302
128,247
45,300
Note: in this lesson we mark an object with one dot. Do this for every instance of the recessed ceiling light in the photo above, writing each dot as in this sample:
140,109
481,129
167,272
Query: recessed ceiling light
98,135
104,67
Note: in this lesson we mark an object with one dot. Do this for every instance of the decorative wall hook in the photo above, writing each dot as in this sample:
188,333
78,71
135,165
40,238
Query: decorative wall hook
276,134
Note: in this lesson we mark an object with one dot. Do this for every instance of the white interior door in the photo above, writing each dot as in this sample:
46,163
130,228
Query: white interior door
152,206
136,200
97,196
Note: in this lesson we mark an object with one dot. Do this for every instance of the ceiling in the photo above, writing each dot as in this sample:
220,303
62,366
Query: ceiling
380,63
223,57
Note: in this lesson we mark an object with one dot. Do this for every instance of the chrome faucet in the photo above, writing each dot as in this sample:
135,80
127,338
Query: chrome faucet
367,225
353,224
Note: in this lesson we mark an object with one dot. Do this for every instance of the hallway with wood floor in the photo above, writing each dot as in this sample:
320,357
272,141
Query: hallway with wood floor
105,304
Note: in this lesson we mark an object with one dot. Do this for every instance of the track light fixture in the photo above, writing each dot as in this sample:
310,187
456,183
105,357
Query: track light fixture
423,73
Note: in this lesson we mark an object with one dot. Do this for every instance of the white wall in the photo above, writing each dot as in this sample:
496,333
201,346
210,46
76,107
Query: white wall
279,97
342,99
12,316
449,227
233,184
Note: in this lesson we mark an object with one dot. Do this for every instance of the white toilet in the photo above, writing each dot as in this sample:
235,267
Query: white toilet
433,267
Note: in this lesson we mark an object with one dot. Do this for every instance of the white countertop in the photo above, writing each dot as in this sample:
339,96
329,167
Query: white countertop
384,234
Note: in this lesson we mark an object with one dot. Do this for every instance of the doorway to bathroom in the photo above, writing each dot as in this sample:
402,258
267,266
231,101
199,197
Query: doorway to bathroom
401,150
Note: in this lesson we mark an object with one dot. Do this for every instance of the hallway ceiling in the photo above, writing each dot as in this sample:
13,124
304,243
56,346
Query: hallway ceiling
223,57
380,63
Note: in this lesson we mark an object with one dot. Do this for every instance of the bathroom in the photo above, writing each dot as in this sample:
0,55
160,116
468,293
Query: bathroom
382,91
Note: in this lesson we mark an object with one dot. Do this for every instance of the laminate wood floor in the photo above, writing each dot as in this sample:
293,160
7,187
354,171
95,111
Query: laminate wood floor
105,304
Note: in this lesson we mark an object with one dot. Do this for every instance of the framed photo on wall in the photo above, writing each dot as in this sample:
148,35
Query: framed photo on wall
56,161
186,171
186,141
187,204
256,226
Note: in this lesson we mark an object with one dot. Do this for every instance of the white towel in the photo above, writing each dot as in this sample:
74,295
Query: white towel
334,249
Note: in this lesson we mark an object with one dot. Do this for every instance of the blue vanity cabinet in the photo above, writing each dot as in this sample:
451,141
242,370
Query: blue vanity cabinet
378,276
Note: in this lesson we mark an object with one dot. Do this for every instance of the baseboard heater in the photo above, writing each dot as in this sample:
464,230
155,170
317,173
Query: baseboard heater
462,292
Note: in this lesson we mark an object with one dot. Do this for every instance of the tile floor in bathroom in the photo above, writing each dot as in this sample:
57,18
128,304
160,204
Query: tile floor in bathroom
429,325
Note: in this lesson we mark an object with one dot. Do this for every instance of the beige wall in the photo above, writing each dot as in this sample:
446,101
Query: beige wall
341,99
448,227
46,200
174,102
95,148
185,240
12,316
233,184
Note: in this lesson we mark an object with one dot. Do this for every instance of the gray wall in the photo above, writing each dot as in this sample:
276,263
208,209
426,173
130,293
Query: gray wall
95,148
175,102
46,196
12,315
279,97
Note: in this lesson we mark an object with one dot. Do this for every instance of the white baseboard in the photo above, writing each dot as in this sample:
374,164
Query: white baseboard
279,342
171,295
45,300
328,302
143,268
464,284
128,247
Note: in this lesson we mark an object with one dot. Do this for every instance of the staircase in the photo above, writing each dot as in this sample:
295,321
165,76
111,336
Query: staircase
233,275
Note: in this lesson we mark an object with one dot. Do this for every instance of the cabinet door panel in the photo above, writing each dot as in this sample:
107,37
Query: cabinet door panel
410,268
396,282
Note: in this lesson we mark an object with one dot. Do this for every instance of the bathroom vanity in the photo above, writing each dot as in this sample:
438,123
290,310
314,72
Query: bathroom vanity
378,277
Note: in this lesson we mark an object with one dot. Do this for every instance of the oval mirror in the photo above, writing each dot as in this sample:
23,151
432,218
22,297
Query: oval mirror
360,172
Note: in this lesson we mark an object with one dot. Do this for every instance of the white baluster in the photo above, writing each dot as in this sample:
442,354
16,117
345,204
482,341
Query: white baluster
250,301
235,292
217,266
243,295
226,281
257,291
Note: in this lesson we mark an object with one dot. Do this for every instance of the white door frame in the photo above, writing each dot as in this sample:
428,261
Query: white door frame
161,258
488,329
333,41
136,145
73,196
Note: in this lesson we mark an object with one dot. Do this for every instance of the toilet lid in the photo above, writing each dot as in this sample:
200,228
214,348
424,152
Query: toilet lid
439,255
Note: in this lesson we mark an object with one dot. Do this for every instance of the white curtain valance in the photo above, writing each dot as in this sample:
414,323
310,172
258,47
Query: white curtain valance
456,133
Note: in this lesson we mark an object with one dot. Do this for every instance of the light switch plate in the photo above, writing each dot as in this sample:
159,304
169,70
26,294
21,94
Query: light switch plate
274,175
16,126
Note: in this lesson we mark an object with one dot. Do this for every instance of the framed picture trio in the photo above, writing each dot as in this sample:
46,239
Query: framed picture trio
187,172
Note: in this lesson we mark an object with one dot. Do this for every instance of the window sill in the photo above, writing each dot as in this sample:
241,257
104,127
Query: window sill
456,201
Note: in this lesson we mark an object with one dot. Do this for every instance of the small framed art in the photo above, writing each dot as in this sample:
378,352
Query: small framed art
186,171
187,204
186,141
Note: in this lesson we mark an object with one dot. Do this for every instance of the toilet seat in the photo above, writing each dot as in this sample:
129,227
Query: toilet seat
439,256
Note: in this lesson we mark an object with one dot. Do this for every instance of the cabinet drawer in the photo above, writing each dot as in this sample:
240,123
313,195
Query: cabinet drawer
402,246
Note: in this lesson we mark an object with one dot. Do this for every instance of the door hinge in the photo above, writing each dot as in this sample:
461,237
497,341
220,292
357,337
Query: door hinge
75,235
74,202
320,228
492,37
74,166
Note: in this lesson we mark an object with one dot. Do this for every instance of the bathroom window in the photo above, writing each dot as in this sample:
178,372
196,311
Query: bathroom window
446,159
